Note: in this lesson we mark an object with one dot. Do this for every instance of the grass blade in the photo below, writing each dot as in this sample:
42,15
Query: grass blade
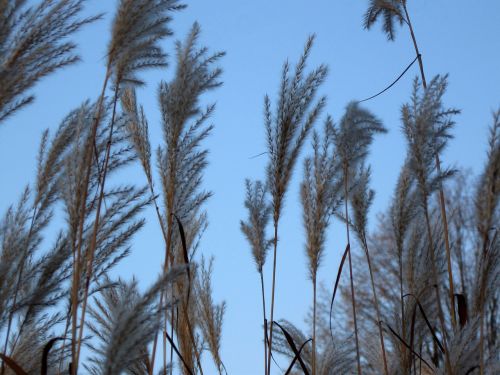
339,272
291,343
45,354
296,357
178,353
184,252
433,332
406,344
462,309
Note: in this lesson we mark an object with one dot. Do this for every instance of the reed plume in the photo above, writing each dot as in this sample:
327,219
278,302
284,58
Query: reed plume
254,229
320,194
397,11
34,44
361,199
124,321
296,113
211,315
137,28
352,139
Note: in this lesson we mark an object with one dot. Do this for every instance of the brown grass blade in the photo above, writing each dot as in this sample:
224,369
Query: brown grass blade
296,357
339,272
291,343
184,252
45,354
178,353
406,344
13,365
462,309
433,332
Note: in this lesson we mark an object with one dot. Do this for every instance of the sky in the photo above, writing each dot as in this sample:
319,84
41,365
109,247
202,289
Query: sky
456,37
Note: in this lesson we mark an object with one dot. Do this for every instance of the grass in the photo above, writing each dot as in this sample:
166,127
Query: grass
391,315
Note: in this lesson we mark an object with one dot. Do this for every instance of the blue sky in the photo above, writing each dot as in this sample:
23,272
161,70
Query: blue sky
459,37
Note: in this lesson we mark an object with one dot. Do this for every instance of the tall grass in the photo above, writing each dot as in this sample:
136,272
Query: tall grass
57,294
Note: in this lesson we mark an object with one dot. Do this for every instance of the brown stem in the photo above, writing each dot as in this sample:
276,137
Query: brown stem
314,328
401,293
78,253
93,241
353,297
436,283
272,297
442,201
264,318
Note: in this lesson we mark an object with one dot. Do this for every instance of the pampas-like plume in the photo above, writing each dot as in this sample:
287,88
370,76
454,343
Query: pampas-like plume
33,44
426,125
125,323
390,10
181,163
361,199
137,28
486,202
320,193
211,315
488,188
254,229
296,113
352,139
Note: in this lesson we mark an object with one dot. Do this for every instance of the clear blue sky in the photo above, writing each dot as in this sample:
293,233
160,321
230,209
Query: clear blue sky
459,37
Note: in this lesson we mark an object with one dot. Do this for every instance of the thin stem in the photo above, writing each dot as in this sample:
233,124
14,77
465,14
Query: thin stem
77,253
172,335
314,328
436,283
382,345
272,297
353,298
93,242
401,295
264,318
442,201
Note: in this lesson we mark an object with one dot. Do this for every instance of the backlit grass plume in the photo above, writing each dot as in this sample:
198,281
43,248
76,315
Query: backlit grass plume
124,321
352,138
211,315
34,44
391,12
254,229
295,114
397,10
321,194
181,163
137,28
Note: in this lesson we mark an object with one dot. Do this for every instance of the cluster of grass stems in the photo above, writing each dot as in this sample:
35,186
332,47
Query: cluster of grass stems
422,291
